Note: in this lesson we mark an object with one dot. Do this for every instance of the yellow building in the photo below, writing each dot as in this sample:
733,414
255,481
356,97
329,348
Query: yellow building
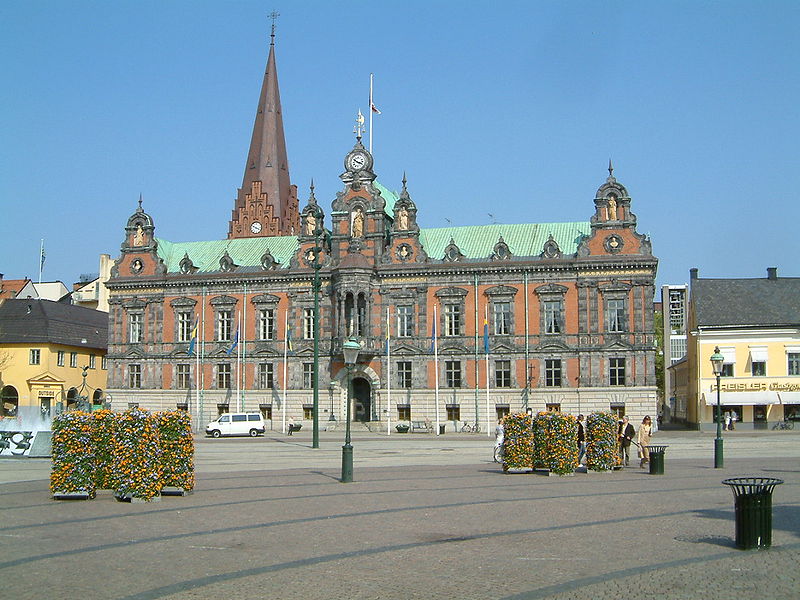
755,323
45,349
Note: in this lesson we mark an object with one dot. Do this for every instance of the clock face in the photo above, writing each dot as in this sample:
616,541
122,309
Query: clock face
357,161
255,227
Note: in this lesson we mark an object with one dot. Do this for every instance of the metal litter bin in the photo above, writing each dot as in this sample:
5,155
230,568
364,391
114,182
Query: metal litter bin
753,507
657,459
441,429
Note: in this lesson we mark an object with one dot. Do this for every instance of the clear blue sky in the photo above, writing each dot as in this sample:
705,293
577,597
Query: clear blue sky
511,109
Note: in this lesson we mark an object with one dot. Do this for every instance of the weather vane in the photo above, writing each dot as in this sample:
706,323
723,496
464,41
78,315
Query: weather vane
274,16
359,128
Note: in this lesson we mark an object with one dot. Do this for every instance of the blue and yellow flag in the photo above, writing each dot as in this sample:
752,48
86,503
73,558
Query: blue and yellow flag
486,335
193,338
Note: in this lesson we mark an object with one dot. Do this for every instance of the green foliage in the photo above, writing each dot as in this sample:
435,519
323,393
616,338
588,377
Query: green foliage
601,441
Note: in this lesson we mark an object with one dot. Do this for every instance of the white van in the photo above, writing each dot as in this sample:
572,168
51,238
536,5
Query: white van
251,424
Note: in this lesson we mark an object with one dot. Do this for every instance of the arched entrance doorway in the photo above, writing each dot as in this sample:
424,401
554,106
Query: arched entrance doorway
362,406
9,404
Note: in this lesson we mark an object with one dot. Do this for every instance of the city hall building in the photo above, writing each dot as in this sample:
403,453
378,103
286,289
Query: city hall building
455,323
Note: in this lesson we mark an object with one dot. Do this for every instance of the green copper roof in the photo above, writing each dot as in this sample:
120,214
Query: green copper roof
244,252
389,196
528,239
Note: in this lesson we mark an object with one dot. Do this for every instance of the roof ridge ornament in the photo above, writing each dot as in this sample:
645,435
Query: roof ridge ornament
611,178
359,128
274,16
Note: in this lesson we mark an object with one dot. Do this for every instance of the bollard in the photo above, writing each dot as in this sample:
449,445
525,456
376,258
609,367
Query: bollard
753,507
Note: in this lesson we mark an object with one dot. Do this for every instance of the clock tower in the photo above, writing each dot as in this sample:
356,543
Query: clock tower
266,204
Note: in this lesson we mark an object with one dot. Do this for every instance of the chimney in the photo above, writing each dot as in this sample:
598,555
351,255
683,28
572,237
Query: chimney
693,273
772,273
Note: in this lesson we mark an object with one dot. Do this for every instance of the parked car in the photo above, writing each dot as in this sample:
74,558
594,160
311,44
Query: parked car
251,424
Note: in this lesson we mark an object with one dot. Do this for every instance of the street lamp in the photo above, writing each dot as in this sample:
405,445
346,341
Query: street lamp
716,362
317,264
350,349
331,390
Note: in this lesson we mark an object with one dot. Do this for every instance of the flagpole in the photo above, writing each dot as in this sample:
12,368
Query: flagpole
285,355
244,344
202,354
488,420
388,377
370,115
197,368
436,369
239,363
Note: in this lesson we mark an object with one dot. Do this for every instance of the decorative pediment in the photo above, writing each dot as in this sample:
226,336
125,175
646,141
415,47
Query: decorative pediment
223,301
266,350
45,378
501,348
181,352
268,261
135,303
451,292
226,263
448,347
616,344
552,346
186,265
551,249
404,349
615,286
183,303
551,288
501,251
501,290
265,299
453,253
134,353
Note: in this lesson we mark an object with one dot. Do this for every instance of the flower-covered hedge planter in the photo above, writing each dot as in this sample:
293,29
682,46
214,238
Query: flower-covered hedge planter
137,456
556,442
517,443
177,452
103,432
602,452
72,474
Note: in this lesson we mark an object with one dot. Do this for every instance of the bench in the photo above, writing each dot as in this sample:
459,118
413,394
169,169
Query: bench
421,426
294,427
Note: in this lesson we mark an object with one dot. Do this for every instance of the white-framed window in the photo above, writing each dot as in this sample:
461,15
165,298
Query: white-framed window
552,372
92,359
793,363
224,378
615,315
758,361
502,318
266,376
183,377
134,376
184,326
35,356
60,358
551,310
104,363
308,376
266,324
405,321
616,371
404,373
502,373
308,323
224,325
135,330
452,319
452,373
73,359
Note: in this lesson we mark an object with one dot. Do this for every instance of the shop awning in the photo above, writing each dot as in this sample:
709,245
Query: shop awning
729,354
752,398
758,355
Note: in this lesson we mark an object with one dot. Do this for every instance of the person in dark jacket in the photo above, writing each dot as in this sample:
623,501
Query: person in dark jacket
581,440
625,434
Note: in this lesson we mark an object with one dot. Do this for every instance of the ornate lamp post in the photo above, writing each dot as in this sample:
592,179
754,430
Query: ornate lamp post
317,264
350,349
716,362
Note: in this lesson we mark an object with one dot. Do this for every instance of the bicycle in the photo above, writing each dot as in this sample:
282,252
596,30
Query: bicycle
784,425
467,428
498,454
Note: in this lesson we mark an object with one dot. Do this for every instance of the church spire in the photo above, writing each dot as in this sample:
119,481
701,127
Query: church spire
267,196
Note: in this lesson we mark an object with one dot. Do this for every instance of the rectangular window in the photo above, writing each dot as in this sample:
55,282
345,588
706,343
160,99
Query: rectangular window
60,360
502,410
104,363
135,333
553,407
759,368
677,349
615,315
405,321
677,320
502,373
552,316
224,376
616,371
453,412
266,411
308,323
73,359
793,366
266,324
266,376
502,318
182,377
727,370
92,359
184,326
308,412
552,372
238,418
452,373
308,376
403,412
134,376
35,356
224,325
452,319
404,374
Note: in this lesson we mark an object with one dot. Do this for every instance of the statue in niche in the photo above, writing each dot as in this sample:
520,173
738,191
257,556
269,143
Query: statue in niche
358,223
138,238
612,209
311,224
402,218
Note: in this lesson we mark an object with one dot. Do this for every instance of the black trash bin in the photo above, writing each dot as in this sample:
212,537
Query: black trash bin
753,507
441,429
657,459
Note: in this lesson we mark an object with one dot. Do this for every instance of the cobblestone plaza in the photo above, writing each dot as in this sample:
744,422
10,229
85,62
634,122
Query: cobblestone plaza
427,517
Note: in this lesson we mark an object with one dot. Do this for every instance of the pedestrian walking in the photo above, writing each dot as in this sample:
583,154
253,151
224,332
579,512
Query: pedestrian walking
291,426
643,439
726,424
581,440
625,434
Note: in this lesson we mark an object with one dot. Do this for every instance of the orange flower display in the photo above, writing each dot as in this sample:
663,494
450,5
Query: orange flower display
556,442
517,442
602,451
73,460
177,449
